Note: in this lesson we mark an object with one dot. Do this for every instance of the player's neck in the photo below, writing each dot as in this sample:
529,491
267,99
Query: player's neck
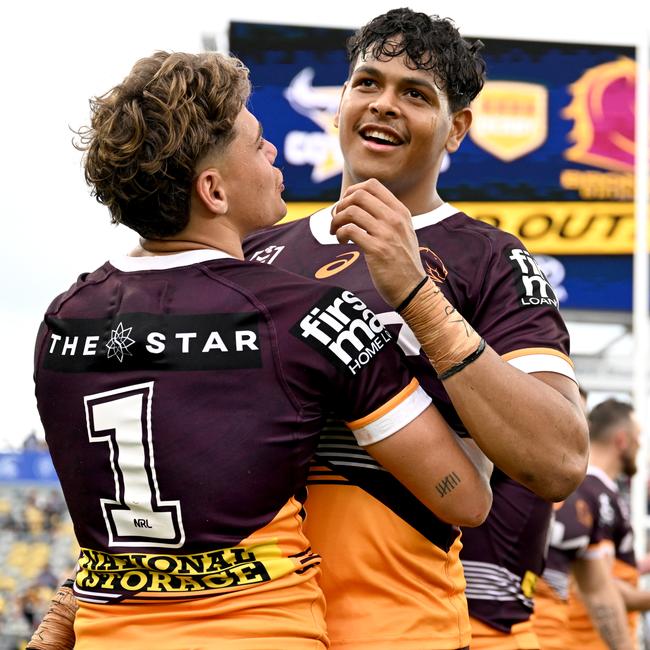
606,460
148,247
418,200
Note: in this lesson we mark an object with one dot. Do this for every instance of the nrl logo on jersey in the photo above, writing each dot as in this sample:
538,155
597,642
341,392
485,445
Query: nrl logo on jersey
342,328
266,255
534,289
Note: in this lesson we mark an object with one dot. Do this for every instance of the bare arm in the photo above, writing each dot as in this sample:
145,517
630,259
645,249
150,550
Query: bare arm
603,601
532,427
427,457
635,599
56,631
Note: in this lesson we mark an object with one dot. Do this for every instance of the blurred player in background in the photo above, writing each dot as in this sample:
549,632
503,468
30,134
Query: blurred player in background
592,541
503,560
182,389
394,578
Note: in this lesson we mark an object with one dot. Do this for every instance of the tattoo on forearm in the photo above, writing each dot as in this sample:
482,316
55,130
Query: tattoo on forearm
449,310
608,625
450,482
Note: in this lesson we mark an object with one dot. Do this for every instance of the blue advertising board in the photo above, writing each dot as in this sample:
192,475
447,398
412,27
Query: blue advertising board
549,157
554,121
594,282
27,467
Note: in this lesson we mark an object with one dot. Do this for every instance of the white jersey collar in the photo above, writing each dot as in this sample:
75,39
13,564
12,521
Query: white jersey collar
320,221
604,478
161,262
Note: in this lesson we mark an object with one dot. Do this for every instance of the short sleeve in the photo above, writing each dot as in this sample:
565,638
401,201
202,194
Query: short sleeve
517,311
339,357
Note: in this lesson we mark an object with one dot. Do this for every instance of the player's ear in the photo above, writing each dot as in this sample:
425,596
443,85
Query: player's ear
621,439
338,110
460,122
211,191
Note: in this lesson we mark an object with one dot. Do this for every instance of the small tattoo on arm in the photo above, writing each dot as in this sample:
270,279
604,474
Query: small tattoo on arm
608,625
447,484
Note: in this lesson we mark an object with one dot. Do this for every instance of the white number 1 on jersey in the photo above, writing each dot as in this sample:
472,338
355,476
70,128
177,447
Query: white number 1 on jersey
137,516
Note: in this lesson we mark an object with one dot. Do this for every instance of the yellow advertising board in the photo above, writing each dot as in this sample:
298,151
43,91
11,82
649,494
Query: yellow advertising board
553,228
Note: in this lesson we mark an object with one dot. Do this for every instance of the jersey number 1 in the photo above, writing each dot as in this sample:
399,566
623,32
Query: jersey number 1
136,516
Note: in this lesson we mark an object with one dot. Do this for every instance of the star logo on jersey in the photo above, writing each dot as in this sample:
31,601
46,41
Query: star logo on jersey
119,343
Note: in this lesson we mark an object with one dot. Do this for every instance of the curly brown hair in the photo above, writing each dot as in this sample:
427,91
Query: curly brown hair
148,133
429,43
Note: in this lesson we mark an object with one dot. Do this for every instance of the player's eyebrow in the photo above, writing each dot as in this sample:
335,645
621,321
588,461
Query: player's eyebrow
260,133
406,81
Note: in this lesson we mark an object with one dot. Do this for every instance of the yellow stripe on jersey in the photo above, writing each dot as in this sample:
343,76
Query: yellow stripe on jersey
385,408
530,351
392,416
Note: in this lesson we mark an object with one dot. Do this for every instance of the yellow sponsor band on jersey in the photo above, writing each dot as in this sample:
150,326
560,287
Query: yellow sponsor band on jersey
218,569
528,584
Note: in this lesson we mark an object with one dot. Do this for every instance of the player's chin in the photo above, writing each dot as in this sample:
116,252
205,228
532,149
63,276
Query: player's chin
281,211
381,168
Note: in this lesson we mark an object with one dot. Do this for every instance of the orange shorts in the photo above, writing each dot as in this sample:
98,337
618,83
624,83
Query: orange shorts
551,621
288,618
485,637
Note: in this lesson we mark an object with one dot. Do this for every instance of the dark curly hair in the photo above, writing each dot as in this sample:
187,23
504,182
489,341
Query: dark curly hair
429,43
148,133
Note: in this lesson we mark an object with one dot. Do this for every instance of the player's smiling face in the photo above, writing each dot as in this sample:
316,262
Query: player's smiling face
394,124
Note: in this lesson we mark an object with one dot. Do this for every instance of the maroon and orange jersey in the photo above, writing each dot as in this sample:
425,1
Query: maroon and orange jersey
182,398
502,560
396,579
593,522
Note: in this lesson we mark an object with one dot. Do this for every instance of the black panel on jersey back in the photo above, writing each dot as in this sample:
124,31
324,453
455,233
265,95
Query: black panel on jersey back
138,341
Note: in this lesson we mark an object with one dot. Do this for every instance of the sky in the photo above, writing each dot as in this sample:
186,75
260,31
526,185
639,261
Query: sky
56,55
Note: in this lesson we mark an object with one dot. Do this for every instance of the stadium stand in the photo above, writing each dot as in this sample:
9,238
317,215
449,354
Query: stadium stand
38,549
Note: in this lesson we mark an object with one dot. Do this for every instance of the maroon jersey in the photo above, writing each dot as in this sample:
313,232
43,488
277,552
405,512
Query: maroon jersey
496,284
182,397
593,522
503,557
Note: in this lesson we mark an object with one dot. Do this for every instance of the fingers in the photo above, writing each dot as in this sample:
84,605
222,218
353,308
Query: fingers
354,214
353,233
369,205
377,189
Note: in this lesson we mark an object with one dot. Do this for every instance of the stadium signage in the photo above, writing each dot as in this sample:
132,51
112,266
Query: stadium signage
554,228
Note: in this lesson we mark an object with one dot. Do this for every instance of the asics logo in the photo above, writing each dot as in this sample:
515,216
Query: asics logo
337,265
